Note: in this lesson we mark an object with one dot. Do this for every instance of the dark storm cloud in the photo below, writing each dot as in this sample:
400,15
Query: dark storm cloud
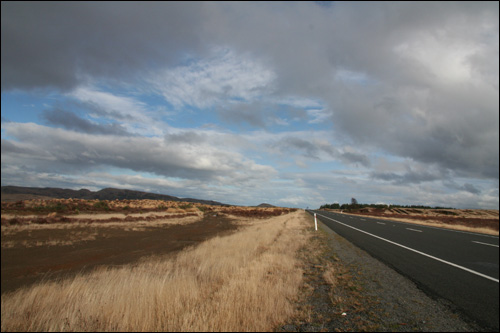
304,147
189,137
415,80
318,150
11,147
355,158
451,130
410,177
60,44
471,188
251,114
467,187
71,121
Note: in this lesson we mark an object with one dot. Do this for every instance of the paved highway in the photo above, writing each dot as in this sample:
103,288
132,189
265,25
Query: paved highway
461,267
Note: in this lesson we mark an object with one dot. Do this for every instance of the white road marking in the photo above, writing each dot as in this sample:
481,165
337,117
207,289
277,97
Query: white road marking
363,220
413,229
450,230
380,223
416,251
485,243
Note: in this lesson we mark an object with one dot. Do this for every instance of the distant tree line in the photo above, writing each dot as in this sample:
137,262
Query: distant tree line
355,205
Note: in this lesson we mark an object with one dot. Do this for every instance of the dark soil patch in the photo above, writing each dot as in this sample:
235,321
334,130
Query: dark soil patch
24,266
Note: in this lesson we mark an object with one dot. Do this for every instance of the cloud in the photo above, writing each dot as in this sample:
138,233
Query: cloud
135,116
451,127
253,114
222,77
410,81
63,45
296,145
71,121
327,87
58,150
471,188
313,145
467,187
355,158
410,177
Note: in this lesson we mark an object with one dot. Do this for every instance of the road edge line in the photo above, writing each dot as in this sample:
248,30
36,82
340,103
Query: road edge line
416,251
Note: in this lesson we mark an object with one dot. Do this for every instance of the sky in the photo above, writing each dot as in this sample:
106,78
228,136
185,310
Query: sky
295,104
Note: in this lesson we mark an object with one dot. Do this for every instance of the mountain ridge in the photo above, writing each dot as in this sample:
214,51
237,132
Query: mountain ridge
108,193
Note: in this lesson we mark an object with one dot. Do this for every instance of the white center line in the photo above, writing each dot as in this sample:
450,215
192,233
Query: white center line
363,220
416,251
413,229
380,223
485,243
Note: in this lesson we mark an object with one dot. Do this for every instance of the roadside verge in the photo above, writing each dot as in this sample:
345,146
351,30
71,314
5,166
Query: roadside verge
345,289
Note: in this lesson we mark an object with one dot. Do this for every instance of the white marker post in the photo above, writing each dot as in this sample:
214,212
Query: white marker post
315,223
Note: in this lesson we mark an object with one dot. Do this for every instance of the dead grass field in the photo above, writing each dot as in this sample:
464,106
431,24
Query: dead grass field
221,272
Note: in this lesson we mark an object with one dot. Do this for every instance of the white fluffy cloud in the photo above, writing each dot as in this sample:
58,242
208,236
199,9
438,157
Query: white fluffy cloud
222,78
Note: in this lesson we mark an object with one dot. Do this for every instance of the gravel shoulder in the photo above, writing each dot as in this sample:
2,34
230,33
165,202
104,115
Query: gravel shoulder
365,294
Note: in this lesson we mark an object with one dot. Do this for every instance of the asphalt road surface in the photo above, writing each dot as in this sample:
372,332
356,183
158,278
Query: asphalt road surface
460,267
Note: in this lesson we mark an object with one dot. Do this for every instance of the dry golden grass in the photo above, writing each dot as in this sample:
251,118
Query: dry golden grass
330,275
467,213
160,221
242,282
106,216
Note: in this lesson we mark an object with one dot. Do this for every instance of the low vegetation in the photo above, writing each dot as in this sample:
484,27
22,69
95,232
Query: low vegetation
245,281
356,205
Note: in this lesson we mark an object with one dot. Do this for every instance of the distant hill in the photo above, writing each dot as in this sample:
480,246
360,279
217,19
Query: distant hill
13,193
266,205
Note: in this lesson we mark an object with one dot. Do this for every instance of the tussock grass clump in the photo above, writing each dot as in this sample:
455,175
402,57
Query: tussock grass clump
246,281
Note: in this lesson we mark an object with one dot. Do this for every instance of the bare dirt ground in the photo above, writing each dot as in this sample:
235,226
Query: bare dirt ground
52,239
111,246
474,220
